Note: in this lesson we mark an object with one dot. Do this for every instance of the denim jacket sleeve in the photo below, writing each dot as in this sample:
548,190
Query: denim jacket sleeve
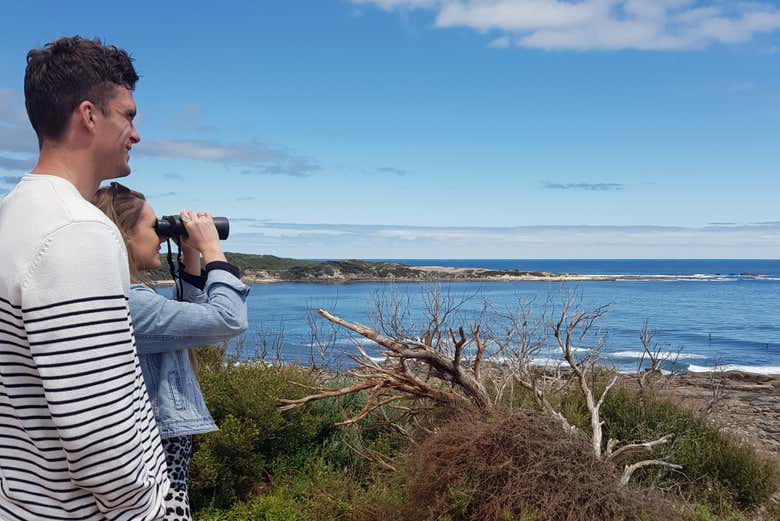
215,314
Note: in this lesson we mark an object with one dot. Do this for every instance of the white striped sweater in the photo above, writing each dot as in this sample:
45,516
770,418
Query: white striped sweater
78,440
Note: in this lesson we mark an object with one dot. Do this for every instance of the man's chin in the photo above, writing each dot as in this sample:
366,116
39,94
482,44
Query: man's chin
118,175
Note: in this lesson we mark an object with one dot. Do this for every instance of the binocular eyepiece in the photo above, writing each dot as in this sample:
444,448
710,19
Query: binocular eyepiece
170,226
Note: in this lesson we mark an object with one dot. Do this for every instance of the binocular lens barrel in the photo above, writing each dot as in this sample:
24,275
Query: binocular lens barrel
171,226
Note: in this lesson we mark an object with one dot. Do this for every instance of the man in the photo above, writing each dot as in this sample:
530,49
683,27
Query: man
77,435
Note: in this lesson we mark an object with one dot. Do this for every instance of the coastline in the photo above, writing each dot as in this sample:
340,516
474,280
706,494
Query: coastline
264,269
442,274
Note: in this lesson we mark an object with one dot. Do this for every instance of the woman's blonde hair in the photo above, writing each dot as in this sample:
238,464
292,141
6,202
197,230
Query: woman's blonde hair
124,207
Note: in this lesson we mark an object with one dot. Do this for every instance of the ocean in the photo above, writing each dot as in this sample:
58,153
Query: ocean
712,313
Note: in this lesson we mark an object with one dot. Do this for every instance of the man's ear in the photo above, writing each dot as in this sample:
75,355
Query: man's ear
87,112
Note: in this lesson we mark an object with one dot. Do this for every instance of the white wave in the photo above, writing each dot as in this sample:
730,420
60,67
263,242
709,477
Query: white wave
663,356
755,369
547,362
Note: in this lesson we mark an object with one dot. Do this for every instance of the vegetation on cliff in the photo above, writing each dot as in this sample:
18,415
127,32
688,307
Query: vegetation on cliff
264,268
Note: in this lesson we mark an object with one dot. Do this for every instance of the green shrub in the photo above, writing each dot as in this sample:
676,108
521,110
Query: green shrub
718,471
308,488
228,465
257,445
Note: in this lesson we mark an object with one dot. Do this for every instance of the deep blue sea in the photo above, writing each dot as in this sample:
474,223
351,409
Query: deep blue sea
718,312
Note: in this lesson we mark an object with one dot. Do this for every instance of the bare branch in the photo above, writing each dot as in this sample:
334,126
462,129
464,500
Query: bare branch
325,393
609,386
372,455
630,469
410,349
625,452
480,351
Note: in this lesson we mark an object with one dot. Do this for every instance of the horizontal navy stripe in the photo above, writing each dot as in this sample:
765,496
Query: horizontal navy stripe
38,484
85,348
20,337
90,360
88,384
94,407
9,303
80,337
78,324
27,441
83,373
74,313
74,301
10,343
17,326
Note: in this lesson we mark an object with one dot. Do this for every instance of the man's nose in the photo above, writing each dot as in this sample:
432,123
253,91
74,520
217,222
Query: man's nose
135,137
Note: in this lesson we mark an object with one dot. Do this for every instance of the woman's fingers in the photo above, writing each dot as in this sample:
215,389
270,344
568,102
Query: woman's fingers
201,232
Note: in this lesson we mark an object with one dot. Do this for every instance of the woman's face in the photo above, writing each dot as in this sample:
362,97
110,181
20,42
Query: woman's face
143,243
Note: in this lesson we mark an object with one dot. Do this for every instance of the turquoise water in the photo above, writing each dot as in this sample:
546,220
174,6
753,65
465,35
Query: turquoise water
727,315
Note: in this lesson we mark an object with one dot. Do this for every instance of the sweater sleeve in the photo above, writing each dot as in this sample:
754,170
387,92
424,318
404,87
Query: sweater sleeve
81,339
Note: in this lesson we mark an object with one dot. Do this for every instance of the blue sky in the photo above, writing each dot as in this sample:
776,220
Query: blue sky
444,128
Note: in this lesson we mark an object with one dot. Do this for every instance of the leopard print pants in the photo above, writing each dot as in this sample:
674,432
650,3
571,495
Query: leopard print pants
178,452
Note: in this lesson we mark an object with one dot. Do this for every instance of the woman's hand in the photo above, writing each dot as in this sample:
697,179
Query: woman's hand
202,235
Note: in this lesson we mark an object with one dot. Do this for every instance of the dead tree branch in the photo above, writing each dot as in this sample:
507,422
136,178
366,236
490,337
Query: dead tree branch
625,452
630,469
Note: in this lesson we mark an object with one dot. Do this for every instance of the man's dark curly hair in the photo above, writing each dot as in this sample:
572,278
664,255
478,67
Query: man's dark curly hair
68,71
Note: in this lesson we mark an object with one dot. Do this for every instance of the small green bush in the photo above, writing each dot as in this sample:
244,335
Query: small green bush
718,470
257,446
228,465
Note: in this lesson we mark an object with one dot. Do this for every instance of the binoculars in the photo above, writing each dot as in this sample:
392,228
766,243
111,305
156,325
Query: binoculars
170,226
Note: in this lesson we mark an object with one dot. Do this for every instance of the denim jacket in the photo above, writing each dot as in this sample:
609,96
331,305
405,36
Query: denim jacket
165,329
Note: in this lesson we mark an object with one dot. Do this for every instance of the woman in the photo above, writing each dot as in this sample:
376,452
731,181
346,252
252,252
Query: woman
213,310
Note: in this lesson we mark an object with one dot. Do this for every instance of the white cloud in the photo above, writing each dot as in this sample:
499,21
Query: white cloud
501,43
254,158
387,241
601,24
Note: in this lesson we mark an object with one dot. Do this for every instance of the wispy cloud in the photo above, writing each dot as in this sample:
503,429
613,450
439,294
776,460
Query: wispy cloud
589,187
391,170
387,241
9,179
192,118
741,86
7,182
253,158
657,25
501,43
246,198
16,136
16,165
172,175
